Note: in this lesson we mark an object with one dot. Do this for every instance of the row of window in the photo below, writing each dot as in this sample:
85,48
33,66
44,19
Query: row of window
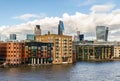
9,56
19,47
18,60
40,48
17,52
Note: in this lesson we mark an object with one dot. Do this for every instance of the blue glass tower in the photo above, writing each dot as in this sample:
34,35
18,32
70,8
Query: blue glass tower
81,37
60,28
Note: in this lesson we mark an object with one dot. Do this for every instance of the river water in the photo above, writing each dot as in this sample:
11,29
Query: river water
81,71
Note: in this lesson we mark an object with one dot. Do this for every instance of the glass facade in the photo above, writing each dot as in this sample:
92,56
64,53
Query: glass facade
12,36
60,28
30,37
102,33
39,53
81,37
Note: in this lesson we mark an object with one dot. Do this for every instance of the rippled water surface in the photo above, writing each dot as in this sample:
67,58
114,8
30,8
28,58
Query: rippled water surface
81,71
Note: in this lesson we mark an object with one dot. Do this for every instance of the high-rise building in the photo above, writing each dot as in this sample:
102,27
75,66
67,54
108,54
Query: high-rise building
78,33
102,33
76,37
37,30
81,37
60,28
12,36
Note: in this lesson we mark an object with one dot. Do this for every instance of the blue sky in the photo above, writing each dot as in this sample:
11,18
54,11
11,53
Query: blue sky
20,16
12,8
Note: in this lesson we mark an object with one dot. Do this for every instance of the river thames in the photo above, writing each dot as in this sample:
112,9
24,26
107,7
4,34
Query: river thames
81,71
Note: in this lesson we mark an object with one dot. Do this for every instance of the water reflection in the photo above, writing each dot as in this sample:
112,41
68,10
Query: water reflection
81,71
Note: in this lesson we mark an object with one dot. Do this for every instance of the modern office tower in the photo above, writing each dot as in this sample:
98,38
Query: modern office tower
39,52
37,30
62,49
81,37
12,36
78,34
60,28
102,33
30,37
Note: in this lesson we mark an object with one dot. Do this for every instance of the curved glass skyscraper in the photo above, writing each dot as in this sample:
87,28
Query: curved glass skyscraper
102,33
60,28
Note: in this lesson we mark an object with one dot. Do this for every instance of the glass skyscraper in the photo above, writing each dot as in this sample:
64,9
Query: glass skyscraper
102,33
60,28
12,36
81,37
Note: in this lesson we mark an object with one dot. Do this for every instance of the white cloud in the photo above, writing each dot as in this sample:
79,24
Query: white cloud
102,8
29,16
85,23
117,11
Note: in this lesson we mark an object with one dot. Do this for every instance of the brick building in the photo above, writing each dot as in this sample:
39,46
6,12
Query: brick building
62,49
15,53
3,52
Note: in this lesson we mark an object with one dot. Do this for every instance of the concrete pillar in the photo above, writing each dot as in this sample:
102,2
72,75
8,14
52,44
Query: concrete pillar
32,60
103,52
38,61
83,53
44,61
109,53
88,53
94,53
41,60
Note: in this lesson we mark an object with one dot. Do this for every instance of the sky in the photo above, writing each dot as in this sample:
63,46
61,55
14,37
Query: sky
21,16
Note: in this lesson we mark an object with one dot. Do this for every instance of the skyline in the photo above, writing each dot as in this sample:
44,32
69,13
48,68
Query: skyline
76,15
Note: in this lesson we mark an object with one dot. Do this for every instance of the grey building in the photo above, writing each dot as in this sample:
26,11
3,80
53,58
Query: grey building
12,36
76,37
79,37
60,28
37,30
102,33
